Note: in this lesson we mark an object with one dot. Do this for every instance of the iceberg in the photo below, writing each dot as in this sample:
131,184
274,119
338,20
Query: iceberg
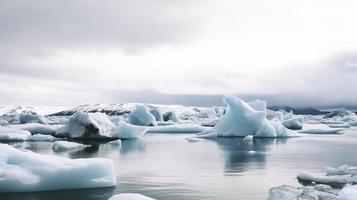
25,118
65,145
8,134
87,126
242,119
129,196
141,116
323,131
157,114
171,116
128,131
115,142
293,122
40,137
26,171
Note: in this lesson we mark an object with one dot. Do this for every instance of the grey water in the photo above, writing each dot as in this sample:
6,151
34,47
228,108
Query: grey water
166,166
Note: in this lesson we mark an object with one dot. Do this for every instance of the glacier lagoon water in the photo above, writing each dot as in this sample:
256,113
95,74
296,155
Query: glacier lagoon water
166,166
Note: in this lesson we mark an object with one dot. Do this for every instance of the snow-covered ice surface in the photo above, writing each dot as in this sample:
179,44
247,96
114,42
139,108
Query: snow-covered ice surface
130,196
66,145
128,131
25,171
36,128
321,129
348,193
41,110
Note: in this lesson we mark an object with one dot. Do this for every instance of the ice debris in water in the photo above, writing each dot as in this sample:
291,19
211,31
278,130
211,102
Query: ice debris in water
26,171
40,137
8,134
65,145
130,196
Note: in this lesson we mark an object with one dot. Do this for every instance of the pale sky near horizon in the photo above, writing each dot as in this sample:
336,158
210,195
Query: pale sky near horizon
68,52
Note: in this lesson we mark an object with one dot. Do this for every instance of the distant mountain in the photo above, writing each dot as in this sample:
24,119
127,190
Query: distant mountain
299,111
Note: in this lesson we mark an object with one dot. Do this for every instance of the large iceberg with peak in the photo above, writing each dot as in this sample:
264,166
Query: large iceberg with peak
26,171
242,119
141,116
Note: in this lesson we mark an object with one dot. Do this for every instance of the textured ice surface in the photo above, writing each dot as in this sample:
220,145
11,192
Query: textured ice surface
8,134
26,171
129,196
25,118
36,128
40,137
88,125
141,116
348,193
128,131
242,119
286,192
65,145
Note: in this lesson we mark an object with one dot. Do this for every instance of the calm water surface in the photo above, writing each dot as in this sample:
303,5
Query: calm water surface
166,166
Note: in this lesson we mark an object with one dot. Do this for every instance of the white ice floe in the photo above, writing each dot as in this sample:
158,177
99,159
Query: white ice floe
40,137
248,138
177,128
286,192
193,139
128,131
65,146
36,128
130,196
242,119
348,193
8,134
342,125
26,171
141,116
25,118
321,129
342,175
88,126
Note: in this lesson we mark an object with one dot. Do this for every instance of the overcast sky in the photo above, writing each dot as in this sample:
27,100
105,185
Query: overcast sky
68,52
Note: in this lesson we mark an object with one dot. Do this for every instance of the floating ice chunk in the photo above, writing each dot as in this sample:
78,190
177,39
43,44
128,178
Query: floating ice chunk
327,180
40,137
353,123
25,171
348,193
88,126
65,146
274,128
8,134
141,116
293,122
171,116
343,125
128,131
130,196
341,170
286,192
25,118
115,142
157,114
323,131
271,114
177,128
36,128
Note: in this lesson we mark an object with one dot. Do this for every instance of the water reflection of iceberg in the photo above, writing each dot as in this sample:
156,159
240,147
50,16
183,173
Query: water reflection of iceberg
132,145
243,155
